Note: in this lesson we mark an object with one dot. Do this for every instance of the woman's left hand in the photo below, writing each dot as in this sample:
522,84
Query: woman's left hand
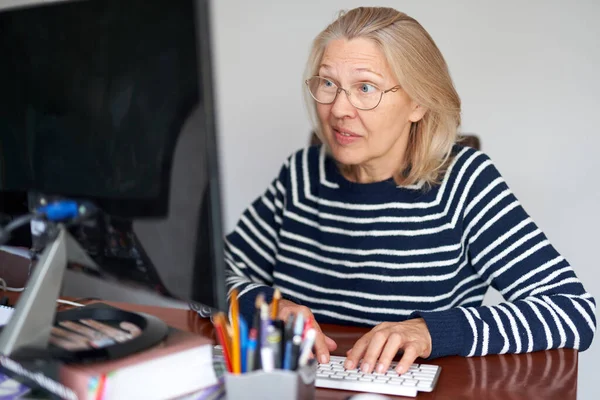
379,347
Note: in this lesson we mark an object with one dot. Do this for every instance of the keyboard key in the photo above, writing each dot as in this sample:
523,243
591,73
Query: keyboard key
428,367
431,372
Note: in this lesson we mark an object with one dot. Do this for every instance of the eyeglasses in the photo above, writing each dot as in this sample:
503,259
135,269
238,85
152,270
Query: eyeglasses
362,95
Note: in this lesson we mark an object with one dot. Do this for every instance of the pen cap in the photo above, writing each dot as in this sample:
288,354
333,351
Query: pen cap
274,385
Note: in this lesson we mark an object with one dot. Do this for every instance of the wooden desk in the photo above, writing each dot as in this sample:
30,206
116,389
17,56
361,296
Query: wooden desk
541,375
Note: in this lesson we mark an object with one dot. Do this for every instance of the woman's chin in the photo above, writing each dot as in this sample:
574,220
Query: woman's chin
347,156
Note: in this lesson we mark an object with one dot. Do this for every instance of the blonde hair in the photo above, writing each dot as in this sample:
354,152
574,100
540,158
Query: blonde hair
421,71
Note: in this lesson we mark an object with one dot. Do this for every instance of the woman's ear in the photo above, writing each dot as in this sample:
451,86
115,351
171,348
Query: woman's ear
417,113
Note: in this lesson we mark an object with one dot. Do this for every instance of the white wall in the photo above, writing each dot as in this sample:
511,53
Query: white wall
526,75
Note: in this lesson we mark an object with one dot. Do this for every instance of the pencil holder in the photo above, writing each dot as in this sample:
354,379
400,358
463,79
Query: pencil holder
274,385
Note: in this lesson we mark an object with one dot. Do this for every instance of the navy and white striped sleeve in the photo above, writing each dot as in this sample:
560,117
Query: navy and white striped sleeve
546,304
251,248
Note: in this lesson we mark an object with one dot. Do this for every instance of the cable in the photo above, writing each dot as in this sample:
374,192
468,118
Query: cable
69,303
14,224
12,289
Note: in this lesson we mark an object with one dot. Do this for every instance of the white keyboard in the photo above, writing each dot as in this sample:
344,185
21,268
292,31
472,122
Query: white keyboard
420,377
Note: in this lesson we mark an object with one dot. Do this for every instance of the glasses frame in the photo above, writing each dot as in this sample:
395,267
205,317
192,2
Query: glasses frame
340,89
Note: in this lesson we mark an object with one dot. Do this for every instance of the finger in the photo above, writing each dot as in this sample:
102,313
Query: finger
393,344
331,344
321,349
408,358
353,355
376,345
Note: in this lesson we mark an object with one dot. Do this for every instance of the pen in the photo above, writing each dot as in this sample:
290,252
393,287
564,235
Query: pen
274,342
235,340
275,303
296,341
267,359
288,336
264,324
243,343
278,324
260,299
251,351
307,326
307,345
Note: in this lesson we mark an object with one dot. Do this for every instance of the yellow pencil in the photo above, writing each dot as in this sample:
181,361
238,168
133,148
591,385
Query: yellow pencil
236,359
275,303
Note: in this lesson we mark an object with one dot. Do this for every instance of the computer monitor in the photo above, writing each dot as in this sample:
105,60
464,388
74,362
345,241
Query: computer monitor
111,101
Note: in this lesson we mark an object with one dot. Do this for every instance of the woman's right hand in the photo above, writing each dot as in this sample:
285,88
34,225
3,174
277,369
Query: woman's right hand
323,344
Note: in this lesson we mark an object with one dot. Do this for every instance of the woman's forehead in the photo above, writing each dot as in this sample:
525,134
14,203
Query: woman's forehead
359,54
356,55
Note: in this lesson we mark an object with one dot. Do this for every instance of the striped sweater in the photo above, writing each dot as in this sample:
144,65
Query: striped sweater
362,254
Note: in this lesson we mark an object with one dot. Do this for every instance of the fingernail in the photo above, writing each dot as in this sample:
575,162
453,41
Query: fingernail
400,370
349,364
380,368
323,359
365,367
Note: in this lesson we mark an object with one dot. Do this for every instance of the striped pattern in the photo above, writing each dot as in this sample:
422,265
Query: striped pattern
362,254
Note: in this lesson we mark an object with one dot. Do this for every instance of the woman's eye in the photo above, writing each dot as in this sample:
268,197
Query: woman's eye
328,83
366,88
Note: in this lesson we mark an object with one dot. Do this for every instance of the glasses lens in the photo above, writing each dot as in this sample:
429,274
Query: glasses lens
365,95
322,90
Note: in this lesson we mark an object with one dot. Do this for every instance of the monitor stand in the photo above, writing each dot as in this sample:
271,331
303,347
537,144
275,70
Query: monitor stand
34,315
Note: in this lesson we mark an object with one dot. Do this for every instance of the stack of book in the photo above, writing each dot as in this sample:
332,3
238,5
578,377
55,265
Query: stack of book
180,365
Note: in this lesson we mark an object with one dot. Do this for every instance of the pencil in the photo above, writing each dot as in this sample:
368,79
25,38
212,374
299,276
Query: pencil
219,323
236,361
275,304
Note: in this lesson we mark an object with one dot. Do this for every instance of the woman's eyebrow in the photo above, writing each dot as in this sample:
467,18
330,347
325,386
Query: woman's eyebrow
368,70
356,71
325,66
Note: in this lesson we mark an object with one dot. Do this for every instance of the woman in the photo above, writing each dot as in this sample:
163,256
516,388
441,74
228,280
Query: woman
391,224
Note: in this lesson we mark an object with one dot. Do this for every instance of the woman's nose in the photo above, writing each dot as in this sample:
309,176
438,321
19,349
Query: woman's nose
341,106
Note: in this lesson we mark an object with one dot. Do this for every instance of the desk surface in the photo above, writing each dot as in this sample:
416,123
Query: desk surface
540,375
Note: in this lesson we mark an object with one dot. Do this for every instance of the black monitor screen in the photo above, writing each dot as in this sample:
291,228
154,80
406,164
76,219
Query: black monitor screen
93,95
111,101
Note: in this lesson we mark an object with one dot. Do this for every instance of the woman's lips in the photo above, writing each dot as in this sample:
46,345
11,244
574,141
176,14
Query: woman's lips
344,137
